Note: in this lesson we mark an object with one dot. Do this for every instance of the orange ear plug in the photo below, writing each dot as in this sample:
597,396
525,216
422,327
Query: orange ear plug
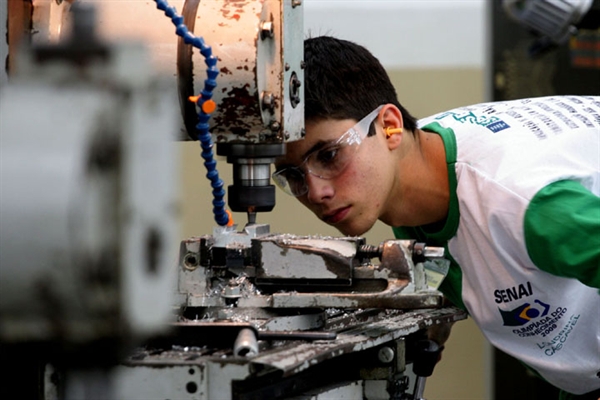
391,131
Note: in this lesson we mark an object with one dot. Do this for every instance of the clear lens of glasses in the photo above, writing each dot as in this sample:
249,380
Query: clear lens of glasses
327,162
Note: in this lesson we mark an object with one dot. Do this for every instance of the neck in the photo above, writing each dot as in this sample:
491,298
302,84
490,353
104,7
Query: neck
421,194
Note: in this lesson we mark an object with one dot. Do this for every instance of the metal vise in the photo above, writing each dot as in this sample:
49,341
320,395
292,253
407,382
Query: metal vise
253,268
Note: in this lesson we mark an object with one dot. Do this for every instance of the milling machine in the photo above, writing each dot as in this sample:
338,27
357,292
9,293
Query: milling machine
254,314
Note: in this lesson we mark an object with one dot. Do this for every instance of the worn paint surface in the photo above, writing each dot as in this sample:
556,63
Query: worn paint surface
357,331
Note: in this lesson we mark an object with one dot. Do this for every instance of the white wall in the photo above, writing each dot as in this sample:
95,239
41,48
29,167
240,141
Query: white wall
406,33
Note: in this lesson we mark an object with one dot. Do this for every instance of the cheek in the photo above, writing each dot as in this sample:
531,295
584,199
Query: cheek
361,181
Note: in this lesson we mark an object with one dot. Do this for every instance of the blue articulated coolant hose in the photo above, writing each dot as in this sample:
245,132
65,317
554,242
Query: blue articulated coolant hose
206,106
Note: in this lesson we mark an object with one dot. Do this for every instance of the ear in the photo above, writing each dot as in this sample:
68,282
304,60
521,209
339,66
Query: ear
393,124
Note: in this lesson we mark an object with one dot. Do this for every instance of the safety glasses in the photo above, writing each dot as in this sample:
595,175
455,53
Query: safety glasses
326,162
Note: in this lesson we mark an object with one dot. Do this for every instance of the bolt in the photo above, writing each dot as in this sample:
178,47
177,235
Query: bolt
385,355
268,100
296,3
287,66
295,84
266,30
232,290
419,249
275,126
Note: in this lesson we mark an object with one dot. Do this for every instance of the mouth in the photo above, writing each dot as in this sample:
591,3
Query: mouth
336,216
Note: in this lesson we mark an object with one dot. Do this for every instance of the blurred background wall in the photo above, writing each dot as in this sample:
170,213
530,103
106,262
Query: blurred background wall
435,53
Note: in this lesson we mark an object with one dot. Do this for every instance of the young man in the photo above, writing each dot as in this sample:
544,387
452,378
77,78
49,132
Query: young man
511,189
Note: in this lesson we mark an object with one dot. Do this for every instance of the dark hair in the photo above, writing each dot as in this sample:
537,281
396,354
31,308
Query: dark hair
343,80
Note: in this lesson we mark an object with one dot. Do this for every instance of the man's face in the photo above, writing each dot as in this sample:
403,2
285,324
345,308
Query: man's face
350,199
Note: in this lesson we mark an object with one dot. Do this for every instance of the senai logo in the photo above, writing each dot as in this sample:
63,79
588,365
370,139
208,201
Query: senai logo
524,313
533,319
493,123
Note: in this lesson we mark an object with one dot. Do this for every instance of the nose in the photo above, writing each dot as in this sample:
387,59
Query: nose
319,189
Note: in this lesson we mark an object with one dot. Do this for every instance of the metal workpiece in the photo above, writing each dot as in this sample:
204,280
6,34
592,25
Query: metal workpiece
287,257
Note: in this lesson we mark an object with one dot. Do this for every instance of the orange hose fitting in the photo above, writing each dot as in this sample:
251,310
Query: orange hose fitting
230,222
209,106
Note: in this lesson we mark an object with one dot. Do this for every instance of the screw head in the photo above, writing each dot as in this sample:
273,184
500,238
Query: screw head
266,30
385,355
275,126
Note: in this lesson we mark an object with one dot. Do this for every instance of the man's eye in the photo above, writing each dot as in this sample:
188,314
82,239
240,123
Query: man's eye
328,155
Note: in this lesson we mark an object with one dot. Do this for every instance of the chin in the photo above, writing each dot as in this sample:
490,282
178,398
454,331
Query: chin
352,230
